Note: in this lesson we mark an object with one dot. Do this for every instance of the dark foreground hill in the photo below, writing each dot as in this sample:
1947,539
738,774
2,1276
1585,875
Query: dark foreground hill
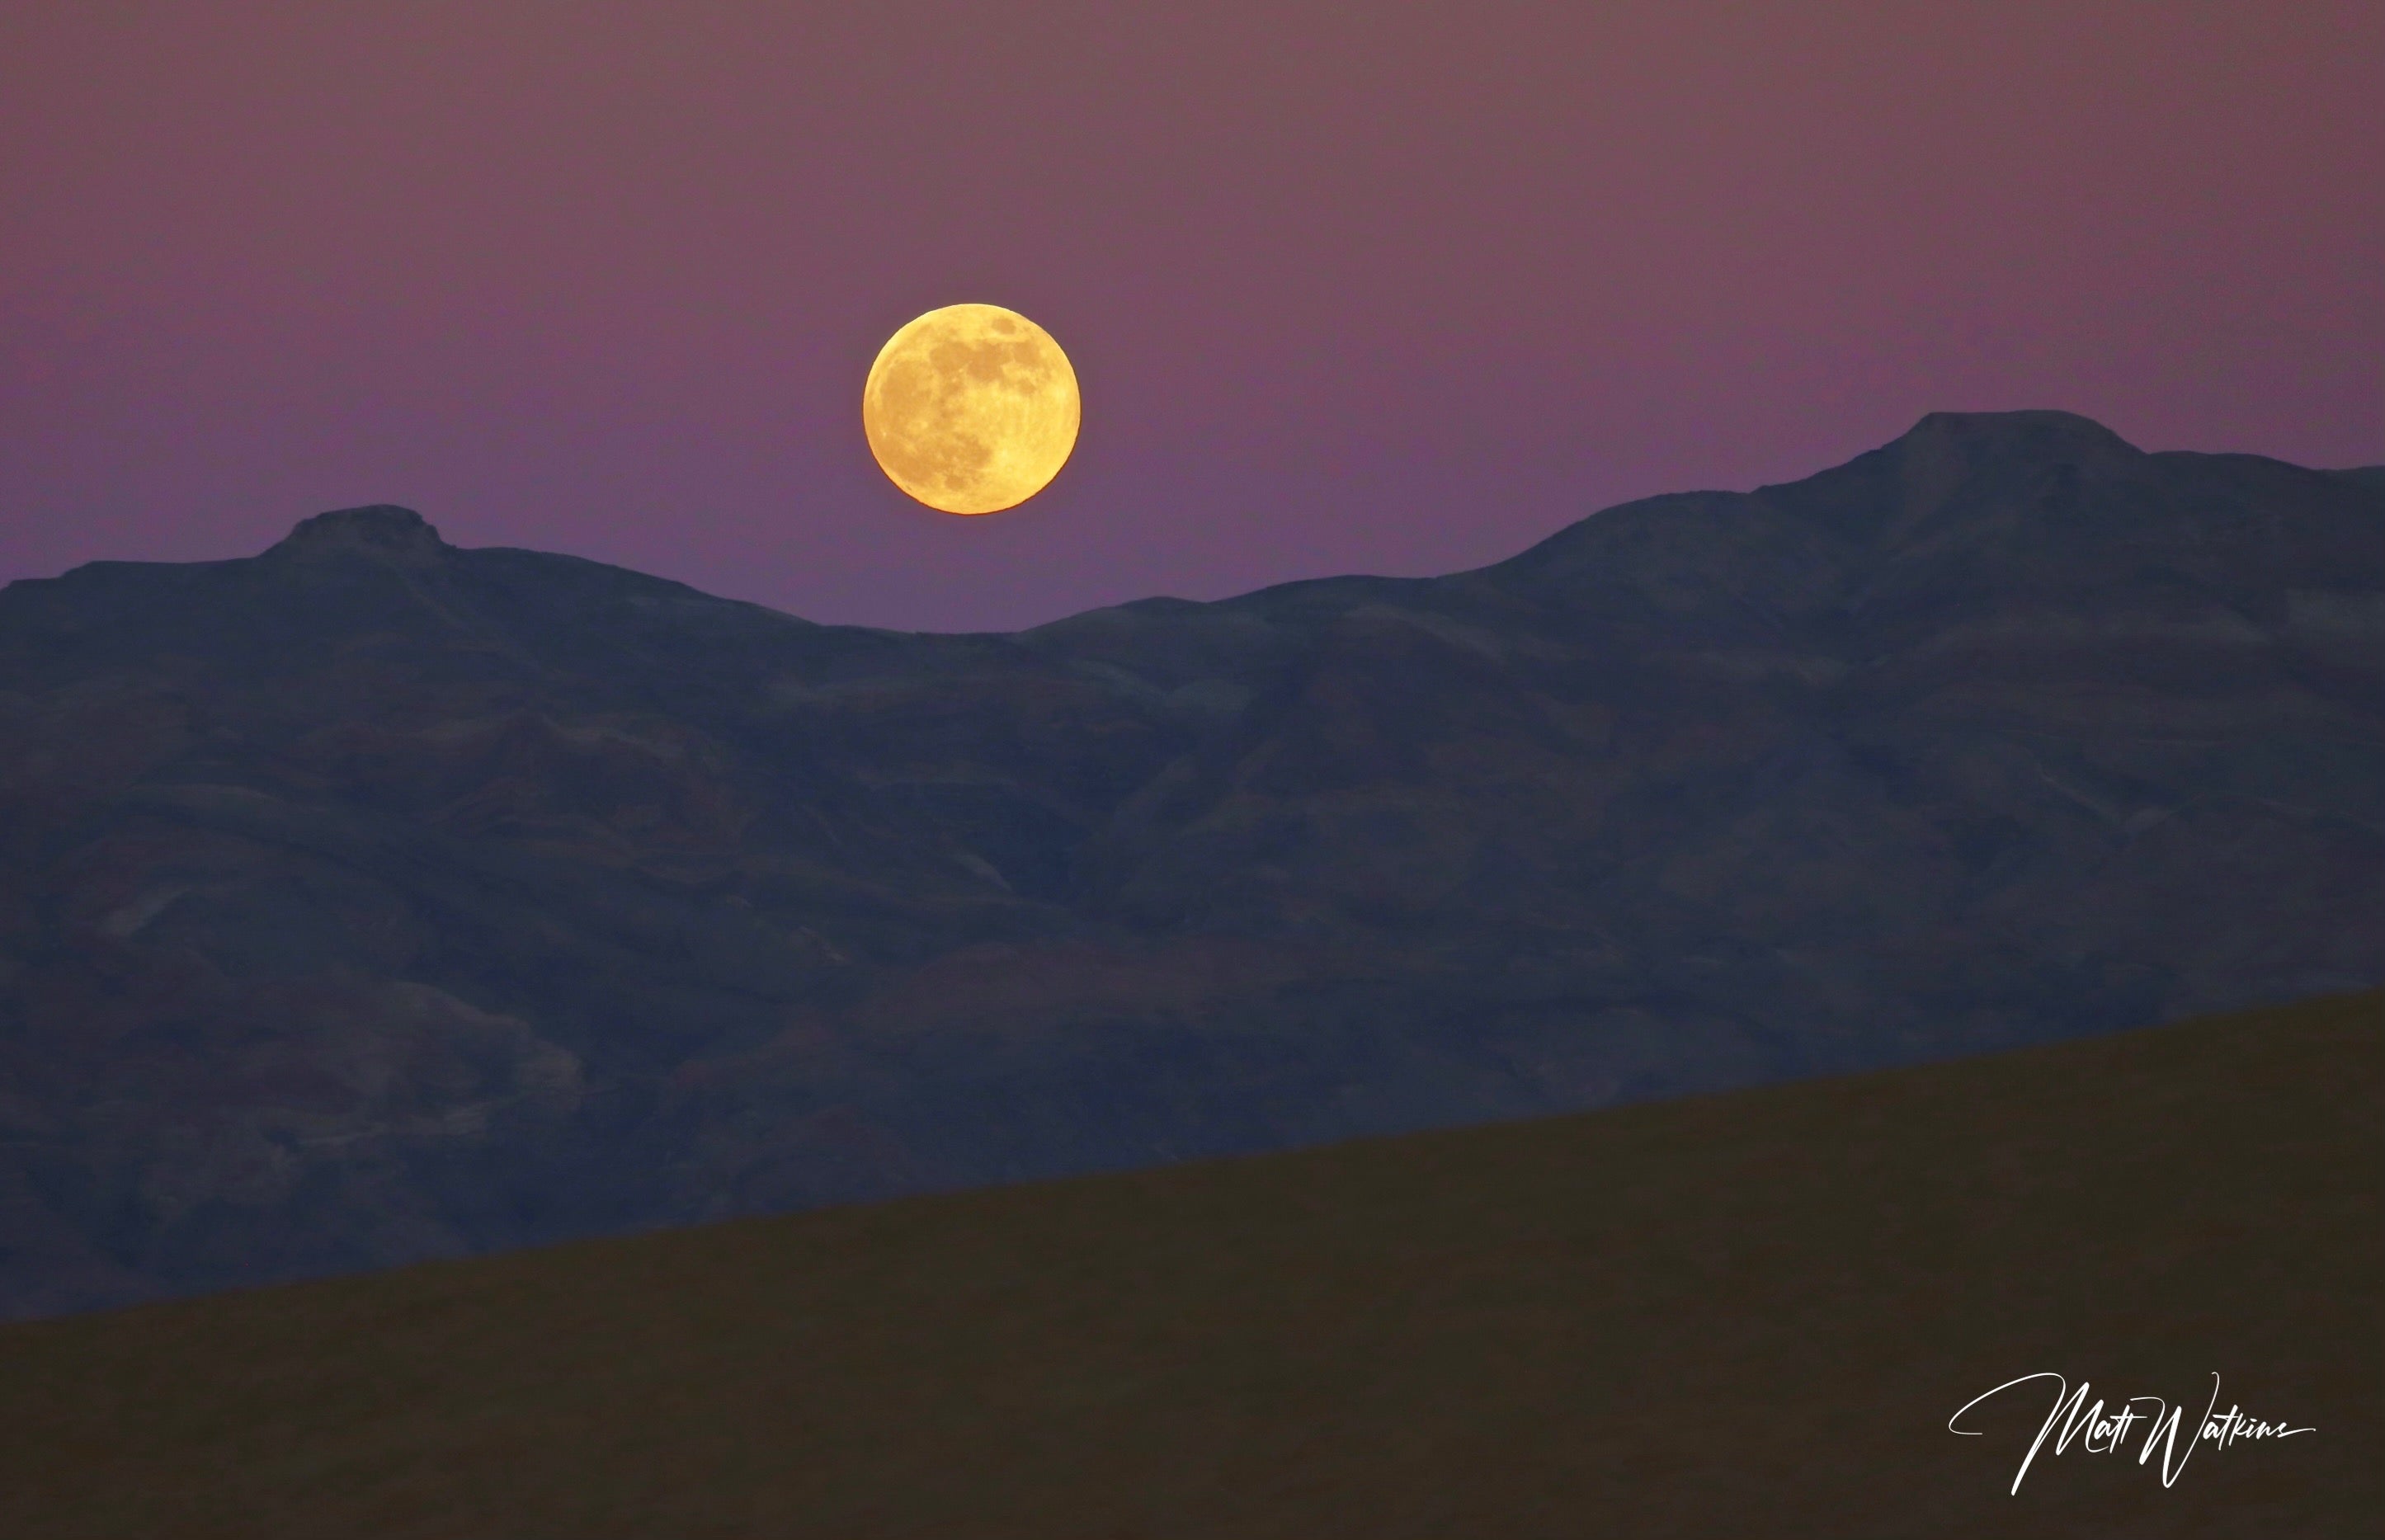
1750,1314
373,899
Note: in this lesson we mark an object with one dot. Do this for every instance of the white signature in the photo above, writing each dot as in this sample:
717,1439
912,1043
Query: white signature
2101,1432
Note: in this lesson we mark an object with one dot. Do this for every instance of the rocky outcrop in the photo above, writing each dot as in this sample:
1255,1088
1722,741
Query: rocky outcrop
374,899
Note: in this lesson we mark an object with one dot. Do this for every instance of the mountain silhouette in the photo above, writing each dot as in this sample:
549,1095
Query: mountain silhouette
372,900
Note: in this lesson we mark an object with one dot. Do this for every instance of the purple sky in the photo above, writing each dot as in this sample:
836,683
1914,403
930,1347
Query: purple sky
1368,287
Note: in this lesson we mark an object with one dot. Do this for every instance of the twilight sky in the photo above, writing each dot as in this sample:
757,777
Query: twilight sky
1379,287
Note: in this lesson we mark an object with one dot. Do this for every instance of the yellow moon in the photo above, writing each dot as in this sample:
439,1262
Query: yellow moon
971,409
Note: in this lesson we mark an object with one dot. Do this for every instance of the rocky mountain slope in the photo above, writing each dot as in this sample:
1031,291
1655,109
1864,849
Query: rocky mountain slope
372,900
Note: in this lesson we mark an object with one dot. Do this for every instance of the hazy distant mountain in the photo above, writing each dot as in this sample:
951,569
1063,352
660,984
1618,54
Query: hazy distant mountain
371,898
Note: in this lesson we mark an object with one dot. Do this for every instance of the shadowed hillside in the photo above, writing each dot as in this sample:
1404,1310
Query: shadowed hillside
372,900
1749,1314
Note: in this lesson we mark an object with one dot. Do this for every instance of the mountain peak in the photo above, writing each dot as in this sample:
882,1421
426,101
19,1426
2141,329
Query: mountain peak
2033,434
381,531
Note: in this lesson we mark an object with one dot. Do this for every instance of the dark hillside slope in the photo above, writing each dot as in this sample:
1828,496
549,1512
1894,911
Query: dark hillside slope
372,900
1742,1315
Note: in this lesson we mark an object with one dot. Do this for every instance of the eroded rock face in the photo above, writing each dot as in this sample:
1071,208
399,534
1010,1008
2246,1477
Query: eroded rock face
373,899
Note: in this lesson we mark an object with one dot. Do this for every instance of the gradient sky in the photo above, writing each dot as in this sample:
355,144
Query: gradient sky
1370,286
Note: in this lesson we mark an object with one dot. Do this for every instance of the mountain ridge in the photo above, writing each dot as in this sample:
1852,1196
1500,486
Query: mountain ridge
375,898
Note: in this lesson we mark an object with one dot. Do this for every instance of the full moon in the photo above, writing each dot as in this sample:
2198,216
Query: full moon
971,409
